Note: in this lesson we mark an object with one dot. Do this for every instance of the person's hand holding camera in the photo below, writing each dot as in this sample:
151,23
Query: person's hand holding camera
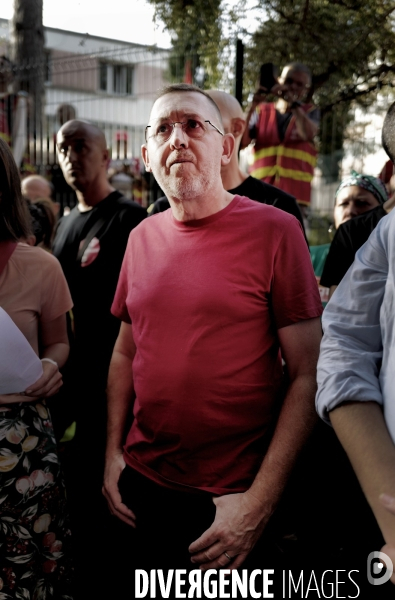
276,90
291,98
258,96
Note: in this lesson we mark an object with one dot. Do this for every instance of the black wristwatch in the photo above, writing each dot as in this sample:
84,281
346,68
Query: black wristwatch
296,104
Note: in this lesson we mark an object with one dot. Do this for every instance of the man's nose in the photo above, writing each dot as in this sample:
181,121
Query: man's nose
178,136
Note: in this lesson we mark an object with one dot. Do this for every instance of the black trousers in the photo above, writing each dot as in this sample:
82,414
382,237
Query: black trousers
168,522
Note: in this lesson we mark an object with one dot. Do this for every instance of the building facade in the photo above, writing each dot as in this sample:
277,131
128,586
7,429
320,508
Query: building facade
108,82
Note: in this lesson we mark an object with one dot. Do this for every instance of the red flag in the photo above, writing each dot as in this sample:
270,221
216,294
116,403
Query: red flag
188,72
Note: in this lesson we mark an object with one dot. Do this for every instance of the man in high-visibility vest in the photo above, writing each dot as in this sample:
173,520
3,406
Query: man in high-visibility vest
284,150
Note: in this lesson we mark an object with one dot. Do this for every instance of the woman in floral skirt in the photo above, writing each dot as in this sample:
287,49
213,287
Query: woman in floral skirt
35,539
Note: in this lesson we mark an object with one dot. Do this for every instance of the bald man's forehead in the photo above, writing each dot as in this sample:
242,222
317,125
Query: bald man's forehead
80,130
72,127
289,71
36,188
184,103
35,183
228,105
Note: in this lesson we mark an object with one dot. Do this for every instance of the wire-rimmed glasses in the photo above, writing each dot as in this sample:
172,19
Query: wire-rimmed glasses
193,128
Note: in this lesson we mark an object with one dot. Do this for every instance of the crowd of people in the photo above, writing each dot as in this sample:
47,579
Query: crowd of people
174,423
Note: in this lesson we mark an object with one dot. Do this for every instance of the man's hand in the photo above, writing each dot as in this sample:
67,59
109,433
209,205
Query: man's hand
258,97
390,551
48,384
389,503
281,90
238,524
112,473
276,90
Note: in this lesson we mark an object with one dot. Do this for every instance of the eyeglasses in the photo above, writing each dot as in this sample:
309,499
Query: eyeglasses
195,129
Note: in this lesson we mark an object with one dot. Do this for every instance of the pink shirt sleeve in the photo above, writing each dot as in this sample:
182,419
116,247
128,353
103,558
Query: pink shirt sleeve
119,308
295,295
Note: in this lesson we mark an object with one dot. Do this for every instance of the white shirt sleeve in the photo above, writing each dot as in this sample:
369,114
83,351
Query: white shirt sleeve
352,346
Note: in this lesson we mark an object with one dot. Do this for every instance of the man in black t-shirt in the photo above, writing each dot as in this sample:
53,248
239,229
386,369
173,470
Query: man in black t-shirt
233,178
90,244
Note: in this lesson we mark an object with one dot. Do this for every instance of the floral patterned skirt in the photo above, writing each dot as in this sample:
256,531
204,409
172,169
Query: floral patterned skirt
35,537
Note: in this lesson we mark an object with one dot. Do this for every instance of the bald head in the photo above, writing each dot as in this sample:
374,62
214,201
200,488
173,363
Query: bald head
83,156
36,187
231,113
86,129
228,105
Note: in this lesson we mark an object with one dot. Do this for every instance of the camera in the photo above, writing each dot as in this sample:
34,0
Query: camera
268,76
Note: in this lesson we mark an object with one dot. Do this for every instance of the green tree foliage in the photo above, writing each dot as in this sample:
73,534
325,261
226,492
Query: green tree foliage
348,44
196,30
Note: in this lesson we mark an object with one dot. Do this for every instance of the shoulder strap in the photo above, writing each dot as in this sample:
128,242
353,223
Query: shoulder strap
91,234
111,209
6,250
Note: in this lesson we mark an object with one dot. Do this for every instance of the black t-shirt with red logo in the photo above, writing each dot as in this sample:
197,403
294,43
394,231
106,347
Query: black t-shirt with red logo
93,279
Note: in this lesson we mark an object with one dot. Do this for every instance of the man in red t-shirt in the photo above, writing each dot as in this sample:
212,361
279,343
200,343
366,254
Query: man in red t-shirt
212,295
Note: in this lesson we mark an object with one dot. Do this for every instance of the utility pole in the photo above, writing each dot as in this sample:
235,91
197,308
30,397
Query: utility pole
27,54
239,71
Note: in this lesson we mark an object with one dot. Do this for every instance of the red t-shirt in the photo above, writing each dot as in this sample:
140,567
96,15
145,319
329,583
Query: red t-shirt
205,299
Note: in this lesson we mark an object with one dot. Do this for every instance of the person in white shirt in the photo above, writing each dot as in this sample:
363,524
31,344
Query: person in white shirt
356,376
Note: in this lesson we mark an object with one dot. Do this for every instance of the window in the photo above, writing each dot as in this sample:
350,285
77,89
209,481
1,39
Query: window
103,77
116,79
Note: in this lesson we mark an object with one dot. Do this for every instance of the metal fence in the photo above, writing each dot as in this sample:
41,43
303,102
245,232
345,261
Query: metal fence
111,84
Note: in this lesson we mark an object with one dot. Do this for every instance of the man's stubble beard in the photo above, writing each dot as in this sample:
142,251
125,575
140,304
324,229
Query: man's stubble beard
188,186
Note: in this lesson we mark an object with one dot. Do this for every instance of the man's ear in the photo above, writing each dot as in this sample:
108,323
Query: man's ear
106,157
237,126
228,145
144,154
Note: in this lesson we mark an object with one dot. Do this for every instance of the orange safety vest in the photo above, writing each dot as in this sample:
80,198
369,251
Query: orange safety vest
287,164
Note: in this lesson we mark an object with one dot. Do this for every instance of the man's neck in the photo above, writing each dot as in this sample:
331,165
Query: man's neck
389,204
88,198
200,207
232,176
